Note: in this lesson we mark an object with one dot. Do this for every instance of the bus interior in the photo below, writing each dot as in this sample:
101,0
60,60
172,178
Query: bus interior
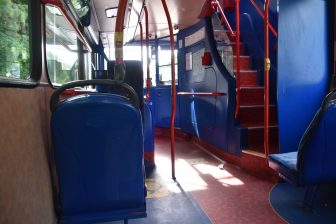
159,112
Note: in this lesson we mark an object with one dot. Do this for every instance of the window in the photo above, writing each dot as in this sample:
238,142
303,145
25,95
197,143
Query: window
165,66
61,47
14,40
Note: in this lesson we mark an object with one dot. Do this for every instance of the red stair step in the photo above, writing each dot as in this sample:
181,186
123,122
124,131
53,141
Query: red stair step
251,116
273,149
251,96
256,138
248,78
244,62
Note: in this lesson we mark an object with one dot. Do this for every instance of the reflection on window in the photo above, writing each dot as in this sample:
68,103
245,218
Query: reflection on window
61,47
14,39
81,7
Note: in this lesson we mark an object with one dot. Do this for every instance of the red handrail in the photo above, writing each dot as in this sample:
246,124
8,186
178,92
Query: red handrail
263,17
147,49
201,94
141,41
238,57
60,5
224,21
266,80
173,86
119,32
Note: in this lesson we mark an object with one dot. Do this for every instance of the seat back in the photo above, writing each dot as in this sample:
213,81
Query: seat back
317,149
134,77
98,150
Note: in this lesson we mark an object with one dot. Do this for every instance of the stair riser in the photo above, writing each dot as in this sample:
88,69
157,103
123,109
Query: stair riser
251,96
254,116
256,137
248,79
244,63
234,49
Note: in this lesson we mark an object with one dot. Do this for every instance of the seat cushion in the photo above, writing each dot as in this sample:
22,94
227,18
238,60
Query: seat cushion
286,165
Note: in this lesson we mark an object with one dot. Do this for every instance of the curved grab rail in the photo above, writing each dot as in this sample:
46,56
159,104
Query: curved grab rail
147,54
55,97
119,67
173,86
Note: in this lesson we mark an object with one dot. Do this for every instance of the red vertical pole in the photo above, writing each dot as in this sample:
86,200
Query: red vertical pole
147,48
141,41
119,32
173,86
238,57
266,79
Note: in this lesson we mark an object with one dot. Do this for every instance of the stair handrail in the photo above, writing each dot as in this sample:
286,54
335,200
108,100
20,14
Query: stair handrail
266,79
267,62
224,21
254,4
215,5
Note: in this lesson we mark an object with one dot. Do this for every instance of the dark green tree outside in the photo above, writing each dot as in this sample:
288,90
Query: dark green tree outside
14,39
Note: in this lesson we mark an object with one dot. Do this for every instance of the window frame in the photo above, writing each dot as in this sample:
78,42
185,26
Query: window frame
35,47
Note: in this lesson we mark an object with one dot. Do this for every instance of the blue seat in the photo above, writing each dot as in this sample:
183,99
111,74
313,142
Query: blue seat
134,78
148,129
314,161
98,152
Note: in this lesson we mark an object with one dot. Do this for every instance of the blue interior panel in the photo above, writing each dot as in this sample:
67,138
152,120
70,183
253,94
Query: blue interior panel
302,67
211,119
160,97
148,129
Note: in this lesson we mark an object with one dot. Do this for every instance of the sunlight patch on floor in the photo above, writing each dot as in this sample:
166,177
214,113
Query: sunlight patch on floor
223,176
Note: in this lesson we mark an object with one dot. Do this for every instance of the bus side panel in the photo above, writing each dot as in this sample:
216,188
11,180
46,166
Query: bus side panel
25,190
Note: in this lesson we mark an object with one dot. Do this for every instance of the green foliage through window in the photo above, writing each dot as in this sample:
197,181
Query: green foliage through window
14,39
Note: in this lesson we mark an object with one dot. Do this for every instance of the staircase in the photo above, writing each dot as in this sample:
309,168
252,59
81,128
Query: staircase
251,110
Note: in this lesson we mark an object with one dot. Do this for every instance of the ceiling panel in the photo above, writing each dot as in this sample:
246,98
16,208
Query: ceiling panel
106,24
184,13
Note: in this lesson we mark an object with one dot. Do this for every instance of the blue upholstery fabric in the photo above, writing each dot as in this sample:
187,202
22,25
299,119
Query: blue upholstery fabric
98,150
317,150
316,159
286,165
288,160
148,129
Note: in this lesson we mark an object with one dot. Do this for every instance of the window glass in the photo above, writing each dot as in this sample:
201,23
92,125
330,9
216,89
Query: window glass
14,39
61,47
165,66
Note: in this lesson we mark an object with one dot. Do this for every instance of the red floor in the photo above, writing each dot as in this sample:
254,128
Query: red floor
226,194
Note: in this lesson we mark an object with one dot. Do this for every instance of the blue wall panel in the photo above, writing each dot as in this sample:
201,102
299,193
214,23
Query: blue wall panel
162,106
208,118
302,66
